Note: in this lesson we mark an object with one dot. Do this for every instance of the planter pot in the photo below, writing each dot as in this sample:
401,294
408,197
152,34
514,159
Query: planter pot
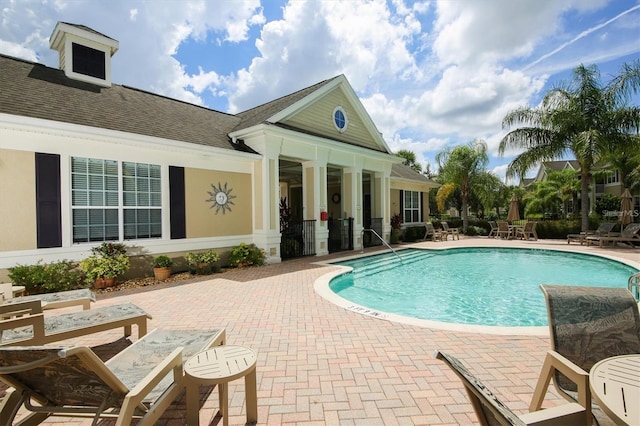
103,282
162,273
203,268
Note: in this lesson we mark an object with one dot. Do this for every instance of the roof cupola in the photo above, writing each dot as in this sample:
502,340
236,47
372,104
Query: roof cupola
84,54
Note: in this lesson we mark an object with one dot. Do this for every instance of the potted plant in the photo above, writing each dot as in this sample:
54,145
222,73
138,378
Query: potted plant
106,262
202,261
162,267
102,271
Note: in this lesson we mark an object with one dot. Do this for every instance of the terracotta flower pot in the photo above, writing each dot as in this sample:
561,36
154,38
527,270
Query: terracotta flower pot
162,274
104,282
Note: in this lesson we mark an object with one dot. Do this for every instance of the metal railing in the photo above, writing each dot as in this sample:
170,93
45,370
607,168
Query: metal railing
381,239
298,239
634,285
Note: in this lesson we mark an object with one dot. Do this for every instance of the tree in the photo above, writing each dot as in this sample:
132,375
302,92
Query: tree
580,116
464,166
551,197
491,192
409,159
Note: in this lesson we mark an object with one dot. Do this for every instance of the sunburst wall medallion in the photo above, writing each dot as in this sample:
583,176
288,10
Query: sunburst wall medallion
221,198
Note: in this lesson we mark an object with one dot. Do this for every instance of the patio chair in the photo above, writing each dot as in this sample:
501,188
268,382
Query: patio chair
140,382
25,324
527,231
61,299
604,229
586,325
491,411
629,235
493,232
432,233
504,231
446,230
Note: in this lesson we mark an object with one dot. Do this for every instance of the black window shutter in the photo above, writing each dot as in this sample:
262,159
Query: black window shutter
177,215
48,203
421,206
402,205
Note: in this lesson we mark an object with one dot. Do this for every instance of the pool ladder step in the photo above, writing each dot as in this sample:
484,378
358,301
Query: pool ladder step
387,262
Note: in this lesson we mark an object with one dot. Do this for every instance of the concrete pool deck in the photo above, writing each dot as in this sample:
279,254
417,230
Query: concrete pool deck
320,364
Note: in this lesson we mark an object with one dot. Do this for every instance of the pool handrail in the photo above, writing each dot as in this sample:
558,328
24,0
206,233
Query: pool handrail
634,285
381,239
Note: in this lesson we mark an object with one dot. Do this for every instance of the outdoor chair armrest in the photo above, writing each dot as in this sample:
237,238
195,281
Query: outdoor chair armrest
566,414
552,362
19,309
36,322
136,396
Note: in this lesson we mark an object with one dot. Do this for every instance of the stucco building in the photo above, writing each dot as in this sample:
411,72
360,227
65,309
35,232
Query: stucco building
84,160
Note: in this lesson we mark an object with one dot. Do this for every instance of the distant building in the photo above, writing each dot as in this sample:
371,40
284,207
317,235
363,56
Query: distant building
609,184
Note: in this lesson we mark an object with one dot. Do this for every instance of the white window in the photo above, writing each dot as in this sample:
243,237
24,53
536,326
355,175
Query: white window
340,120
612,177
411,207
114,201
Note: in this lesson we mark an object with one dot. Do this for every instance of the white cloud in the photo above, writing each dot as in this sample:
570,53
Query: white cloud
17,50
430,74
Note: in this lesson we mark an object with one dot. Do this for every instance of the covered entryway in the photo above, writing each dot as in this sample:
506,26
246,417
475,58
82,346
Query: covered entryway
297,235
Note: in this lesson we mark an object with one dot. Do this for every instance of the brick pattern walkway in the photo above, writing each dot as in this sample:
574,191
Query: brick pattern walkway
319,364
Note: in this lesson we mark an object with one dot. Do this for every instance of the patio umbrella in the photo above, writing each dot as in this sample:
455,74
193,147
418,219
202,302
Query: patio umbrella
625,208
514,213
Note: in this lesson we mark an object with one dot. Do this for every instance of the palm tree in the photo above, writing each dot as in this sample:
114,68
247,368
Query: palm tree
464,166
409,159
582,117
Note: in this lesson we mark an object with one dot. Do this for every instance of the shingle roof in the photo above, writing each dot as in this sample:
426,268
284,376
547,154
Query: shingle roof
85,28
405,172
260,113
560,164
34,90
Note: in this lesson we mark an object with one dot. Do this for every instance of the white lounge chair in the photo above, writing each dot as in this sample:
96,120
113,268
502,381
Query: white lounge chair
25,324
140,382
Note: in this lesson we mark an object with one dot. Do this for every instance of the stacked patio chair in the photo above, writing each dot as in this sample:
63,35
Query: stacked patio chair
493,232
446,231
629,235
431,233
504,231
527,231
604,229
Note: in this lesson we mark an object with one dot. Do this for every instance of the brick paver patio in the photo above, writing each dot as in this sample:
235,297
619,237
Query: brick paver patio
319,364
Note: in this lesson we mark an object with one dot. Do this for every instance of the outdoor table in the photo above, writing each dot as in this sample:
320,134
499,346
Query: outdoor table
219,366
615,385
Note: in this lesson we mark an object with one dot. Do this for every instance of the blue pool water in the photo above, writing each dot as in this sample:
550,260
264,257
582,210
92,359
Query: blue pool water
480,286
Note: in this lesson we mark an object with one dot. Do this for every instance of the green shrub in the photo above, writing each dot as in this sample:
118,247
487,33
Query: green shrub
476,230
413,233
247,255
98,266
162,261
109,249
203,262
47,277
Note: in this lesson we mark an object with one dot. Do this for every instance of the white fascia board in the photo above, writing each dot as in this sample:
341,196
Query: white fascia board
316,141
419,182
58,35
76,131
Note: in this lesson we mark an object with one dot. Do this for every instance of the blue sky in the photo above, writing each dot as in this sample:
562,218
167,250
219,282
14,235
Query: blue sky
431,74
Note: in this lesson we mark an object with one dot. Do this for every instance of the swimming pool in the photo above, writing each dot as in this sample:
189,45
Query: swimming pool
474,286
